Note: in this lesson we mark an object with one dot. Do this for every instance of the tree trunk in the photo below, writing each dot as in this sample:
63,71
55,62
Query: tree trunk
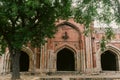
15,55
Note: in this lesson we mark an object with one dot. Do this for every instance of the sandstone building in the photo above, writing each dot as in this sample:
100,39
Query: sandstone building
69,50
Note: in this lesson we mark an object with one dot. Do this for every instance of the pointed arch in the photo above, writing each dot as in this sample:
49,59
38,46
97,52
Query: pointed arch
66,50
24,62
31,57
69,24
65,46
76,28
109,61
114,52
65,60
7,61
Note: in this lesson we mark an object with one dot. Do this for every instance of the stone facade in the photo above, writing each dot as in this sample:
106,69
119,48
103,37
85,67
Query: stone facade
69,50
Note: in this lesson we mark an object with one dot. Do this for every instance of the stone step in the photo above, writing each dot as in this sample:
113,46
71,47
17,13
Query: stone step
67,78
63,73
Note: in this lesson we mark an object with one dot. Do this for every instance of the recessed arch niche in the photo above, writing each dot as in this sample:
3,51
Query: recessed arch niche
109,61
110,57
24,61
29,53
65,60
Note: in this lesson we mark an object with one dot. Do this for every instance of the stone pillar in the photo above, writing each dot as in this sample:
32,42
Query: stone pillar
82,61
1,63
42,60
89,62
37,57
6,62
78,61
33,60
45,58
46,55
48,61
52,61
98,61
118,64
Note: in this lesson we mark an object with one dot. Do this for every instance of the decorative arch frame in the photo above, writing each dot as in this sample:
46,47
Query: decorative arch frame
71,49
75,28
71,25
112,48
31,57
65,46
6,64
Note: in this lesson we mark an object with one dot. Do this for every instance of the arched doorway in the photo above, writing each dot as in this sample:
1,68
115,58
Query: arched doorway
24,62
109,61
65,60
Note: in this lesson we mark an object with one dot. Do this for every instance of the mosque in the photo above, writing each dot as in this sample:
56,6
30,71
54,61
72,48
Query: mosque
69,51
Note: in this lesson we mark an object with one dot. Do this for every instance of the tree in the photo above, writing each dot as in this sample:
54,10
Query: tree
104,11
23,21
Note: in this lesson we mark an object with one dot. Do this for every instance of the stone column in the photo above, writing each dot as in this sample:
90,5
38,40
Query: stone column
98,61
118,64
89,62
45,58
82,61
78,61
46,55
33,57
42,60
6,62
1,63
52,61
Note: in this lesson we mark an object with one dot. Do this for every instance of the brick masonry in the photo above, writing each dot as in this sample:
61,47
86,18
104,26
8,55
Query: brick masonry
69,35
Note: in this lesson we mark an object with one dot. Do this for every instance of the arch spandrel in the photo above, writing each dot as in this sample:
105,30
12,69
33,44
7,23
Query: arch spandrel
72,30
60,47
66,33
111,48
70,25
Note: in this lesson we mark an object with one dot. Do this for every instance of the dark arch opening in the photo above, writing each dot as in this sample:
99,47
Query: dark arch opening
24,62
109,61
65,60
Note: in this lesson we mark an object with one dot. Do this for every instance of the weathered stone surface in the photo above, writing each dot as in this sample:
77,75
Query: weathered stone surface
69,38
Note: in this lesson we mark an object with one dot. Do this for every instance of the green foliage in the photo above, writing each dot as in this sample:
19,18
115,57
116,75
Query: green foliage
32,21
23,21
104,11
109,33
103,43
2,45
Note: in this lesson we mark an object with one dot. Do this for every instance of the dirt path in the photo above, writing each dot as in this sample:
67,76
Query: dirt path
63,77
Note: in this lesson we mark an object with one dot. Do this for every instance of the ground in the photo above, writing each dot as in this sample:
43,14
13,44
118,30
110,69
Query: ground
23,77
105,76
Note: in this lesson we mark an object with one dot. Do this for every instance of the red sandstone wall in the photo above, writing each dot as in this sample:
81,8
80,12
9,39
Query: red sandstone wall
75,35
98,36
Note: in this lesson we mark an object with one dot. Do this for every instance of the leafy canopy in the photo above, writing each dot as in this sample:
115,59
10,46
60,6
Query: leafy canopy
23,21
104,11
